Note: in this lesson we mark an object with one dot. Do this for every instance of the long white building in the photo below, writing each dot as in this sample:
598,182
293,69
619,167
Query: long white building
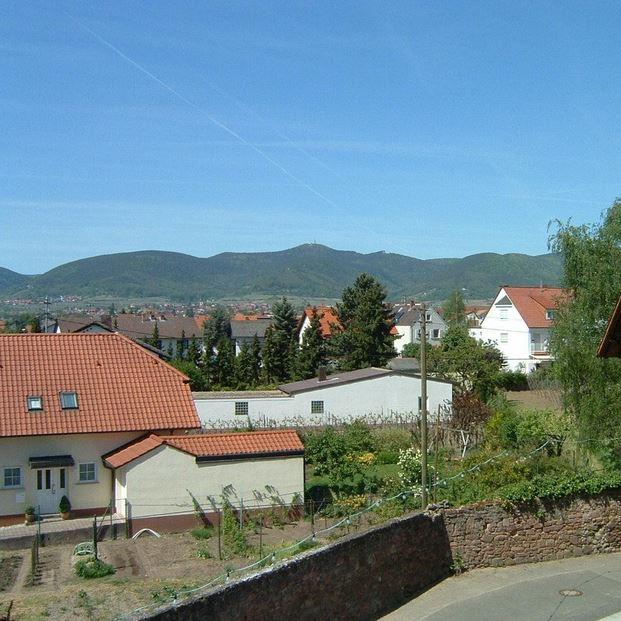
345,396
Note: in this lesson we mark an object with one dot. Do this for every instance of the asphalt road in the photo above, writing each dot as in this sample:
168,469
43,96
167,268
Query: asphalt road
579,589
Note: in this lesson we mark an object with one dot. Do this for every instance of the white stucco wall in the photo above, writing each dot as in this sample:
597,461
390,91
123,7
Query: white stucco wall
409,333
156,484
516,350
382,395
14,452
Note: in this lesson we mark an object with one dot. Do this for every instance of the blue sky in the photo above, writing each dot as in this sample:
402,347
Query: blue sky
425,128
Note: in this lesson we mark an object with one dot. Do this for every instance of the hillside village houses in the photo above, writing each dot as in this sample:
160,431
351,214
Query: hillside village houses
519,322
245,327
343,396
174,331
104,422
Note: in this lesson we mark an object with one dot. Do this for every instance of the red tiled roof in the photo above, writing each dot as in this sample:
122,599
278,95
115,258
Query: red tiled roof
328,321
254,443
533,302
243,317
120,386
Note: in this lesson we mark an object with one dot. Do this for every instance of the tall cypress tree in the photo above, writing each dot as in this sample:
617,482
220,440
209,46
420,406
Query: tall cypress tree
255,361
366,322
154,341
243,368
224,363
181,346
312,353
283,345
194,352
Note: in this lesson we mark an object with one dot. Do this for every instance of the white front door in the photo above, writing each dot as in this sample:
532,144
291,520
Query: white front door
51,484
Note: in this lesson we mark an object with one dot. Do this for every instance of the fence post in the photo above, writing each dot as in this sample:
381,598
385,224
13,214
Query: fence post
95,536
127,522
241,514
219,533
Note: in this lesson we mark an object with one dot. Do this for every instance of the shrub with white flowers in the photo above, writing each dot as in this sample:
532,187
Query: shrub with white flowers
410,468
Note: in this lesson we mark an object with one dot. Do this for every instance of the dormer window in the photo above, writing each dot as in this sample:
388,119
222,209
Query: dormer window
549,314
35,403
69,400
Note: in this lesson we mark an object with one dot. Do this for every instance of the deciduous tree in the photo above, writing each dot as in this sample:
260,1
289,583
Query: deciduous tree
592,274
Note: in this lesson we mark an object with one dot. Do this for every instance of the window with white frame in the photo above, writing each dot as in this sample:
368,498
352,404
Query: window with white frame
35,402
504,337
504,313
69,400
87,472
435,334
316,407
241,408
12,477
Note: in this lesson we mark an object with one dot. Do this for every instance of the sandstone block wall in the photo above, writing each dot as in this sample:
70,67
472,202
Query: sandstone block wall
365,575
490,535
358,577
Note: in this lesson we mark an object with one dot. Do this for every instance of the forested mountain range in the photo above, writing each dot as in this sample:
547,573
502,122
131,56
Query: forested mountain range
307,271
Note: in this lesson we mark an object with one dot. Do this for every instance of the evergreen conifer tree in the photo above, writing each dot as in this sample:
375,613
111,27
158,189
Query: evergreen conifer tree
255,361
224,363
366,321
312,353
454,308
243,368
154,341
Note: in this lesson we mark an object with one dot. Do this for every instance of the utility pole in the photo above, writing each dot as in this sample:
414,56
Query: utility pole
423,401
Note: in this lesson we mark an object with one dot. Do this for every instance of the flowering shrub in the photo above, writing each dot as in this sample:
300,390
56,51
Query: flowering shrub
410,468
366,459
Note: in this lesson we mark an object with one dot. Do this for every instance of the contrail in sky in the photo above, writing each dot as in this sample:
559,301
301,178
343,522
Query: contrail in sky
196,107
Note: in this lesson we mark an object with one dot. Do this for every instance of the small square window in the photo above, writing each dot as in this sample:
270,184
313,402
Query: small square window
35,402
87,473
241,408
69,400
316,407
504,337
12,477
549,315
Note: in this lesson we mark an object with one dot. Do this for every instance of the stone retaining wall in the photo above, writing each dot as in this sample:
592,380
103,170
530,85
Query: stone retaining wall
365,575
489,535
359,577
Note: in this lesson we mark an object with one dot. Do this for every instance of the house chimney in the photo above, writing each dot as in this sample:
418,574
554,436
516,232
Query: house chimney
321,374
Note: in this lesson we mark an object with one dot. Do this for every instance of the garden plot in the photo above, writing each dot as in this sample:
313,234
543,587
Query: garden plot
148,571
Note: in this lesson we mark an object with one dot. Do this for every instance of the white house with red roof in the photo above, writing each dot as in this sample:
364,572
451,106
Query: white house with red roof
68,399
519,323
328,321
102,421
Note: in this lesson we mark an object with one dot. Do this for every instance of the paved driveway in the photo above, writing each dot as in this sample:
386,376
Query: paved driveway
579,589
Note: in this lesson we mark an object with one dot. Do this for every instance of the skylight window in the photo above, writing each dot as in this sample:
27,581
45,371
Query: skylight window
69,400
35,402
